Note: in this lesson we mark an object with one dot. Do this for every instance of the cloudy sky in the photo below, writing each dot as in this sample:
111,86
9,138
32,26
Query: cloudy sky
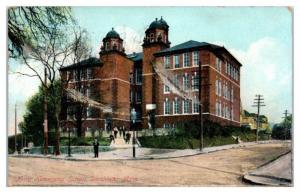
259,37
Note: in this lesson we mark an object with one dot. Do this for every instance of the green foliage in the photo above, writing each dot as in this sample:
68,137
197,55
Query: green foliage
27,24
180,142
32,126
11,143
84,141
187,135
283,130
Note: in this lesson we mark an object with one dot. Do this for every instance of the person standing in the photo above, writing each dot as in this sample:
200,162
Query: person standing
121,131
124,131
111,137
115,132
96,147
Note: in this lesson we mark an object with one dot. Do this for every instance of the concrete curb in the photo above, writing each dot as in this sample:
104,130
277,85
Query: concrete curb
225,147
267,180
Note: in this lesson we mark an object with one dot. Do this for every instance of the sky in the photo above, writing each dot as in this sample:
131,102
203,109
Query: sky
259,37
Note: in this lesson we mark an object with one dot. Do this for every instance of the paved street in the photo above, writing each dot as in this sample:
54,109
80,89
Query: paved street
225,167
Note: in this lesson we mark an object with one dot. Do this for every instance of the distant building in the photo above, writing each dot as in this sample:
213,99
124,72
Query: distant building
125,81
249,120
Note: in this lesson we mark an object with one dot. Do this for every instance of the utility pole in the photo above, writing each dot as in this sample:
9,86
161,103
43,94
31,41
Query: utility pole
258,102
16,128
45,115
200,108
285,125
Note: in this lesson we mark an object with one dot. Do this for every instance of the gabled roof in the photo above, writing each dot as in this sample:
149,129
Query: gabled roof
191,45
90,62
135,56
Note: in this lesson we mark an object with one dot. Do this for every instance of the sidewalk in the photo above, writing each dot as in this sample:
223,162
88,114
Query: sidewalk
145,153
278,172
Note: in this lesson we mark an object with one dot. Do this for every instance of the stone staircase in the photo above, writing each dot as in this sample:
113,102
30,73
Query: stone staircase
120,142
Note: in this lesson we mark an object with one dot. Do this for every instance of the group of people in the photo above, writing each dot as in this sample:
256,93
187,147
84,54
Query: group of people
122,132
114,134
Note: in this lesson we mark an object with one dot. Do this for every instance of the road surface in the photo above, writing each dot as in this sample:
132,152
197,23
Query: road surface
222,168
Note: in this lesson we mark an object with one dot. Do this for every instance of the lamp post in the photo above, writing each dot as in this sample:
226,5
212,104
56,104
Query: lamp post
133,118
69,144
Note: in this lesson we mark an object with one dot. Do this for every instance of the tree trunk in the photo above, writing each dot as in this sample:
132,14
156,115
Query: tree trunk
45,115
57,135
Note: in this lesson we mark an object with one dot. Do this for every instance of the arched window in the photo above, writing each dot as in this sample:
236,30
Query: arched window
107,46
151,37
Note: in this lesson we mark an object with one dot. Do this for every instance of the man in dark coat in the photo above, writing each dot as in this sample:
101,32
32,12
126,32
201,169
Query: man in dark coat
96,147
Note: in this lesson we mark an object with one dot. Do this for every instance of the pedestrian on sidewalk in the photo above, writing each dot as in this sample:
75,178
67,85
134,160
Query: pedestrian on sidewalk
112,138
120,131
115,132
128,135
124,132
96,148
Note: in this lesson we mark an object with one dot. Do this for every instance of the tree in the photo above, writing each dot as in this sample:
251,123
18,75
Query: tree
32,125
25,24
283,130
49,45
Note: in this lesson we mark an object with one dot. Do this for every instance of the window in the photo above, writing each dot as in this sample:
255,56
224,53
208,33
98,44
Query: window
186,106
176,80
69,113
196,58
166,89
231,116
217,87
218,64
167,62
224,90
167,107
131,95
220,88
176,106
152,37
228,69
195,105
186,60
107,46
224,110
176,61
88,112
195,81
76,75
131,78
217,108
186,82
68,75
88,92
138,114
89,73
226,64
231,94
234,73
138,76
81,89
138,94
220,109
82,72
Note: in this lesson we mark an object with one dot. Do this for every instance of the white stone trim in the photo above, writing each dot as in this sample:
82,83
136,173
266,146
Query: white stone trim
99,79
148,74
